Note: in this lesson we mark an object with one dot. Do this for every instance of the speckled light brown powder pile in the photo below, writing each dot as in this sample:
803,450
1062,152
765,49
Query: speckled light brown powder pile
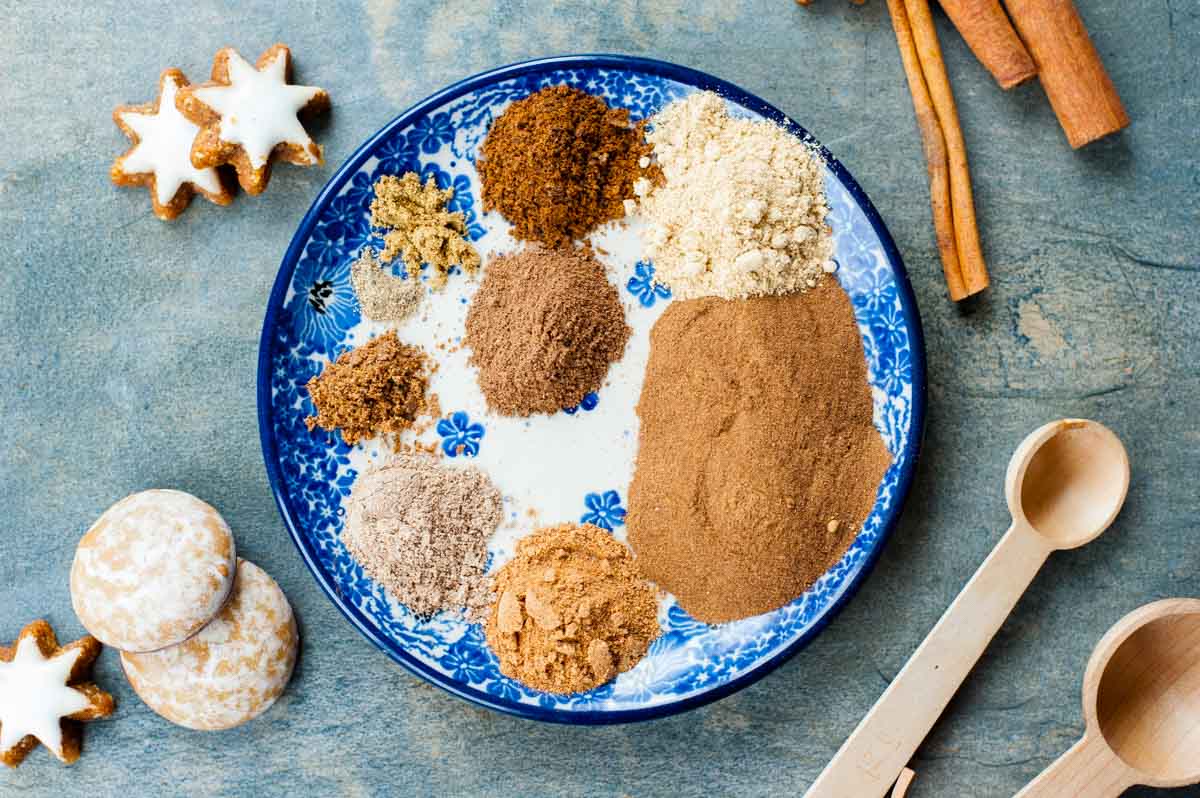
572,610
421,529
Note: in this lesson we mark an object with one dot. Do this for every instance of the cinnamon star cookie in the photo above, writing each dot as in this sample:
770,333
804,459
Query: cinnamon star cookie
161,153
43,694
249,116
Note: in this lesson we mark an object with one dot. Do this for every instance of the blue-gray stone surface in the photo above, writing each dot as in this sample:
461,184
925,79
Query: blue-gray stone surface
128,355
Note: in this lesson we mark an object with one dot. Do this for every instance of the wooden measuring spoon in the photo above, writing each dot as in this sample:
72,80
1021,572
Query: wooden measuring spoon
1065,484
1141,701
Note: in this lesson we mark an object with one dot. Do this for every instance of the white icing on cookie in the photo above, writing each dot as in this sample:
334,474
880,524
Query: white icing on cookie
233,670
154,569
34,696
164,147
258,108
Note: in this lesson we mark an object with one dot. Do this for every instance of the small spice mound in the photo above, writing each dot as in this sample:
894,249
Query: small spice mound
572,610
742,211
421,529
559,162
757,459
543,329
382,295
420,229
378,387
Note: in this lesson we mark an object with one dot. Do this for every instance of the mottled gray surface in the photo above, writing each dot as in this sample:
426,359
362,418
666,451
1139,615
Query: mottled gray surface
128,354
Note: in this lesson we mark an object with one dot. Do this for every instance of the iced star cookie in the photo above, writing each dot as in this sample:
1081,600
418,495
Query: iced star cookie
44,694
153,570
161,153
249,116
233,670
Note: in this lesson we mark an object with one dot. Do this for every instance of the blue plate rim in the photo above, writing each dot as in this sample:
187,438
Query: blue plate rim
283,279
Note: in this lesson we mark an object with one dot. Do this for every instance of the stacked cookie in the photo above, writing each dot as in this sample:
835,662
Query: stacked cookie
244,119
207,640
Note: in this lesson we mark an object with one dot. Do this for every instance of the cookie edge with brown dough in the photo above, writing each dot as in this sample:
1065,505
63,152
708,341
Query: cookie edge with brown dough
100,703
184,194
209,149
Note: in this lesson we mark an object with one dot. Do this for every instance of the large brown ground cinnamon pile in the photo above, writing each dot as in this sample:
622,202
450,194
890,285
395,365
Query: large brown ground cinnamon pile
378,387
559,162
543,330
758,460
572,611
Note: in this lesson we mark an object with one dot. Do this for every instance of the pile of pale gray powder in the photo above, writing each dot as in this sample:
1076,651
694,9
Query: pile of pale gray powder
420,529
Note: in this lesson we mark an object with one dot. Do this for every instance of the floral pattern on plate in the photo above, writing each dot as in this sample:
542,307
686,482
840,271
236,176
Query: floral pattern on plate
312,470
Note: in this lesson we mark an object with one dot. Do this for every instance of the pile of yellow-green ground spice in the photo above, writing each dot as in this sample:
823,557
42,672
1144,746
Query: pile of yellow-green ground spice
419,227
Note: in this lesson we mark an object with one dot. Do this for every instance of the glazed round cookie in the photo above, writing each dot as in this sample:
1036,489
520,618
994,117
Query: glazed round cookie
152,570
233,670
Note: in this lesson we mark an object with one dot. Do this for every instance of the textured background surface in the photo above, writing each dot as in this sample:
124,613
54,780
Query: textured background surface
129,350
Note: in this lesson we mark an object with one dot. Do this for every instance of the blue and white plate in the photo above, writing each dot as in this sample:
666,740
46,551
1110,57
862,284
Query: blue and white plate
571,466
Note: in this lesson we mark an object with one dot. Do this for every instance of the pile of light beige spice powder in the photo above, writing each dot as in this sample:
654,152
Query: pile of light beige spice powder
421,529
383,296
742,211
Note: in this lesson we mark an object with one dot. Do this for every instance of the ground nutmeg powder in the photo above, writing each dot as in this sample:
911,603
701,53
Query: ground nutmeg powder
572,610
758,460
543,329
560,162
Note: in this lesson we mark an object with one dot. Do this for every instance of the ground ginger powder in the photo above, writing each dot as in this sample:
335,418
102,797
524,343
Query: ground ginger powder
572,610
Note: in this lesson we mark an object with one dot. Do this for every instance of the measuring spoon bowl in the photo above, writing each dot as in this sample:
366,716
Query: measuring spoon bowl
1067,481
1141,704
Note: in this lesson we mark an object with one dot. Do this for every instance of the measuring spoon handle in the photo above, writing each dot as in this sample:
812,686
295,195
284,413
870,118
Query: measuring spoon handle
872,758
1089,770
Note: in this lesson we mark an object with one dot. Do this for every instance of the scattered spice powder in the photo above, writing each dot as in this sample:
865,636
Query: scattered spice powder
758,460
572,610
420,229
560,162
383,296
543,329
376,388
420,529
742,210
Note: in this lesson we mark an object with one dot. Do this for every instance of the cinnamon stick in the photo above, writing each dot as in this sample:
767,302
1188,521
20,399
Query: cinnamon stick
962,204
987,31
934,144
1080,90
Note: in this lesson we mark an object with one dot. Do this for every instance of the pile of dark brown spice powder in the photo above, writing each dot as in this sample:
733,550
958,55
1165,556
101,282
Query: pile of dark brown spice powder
559,162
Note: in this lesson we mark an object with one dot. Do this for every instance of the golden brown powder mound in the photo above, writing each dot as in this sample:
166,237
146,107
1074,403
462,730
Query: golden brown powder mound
376,388
758,460
559,162
572,610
